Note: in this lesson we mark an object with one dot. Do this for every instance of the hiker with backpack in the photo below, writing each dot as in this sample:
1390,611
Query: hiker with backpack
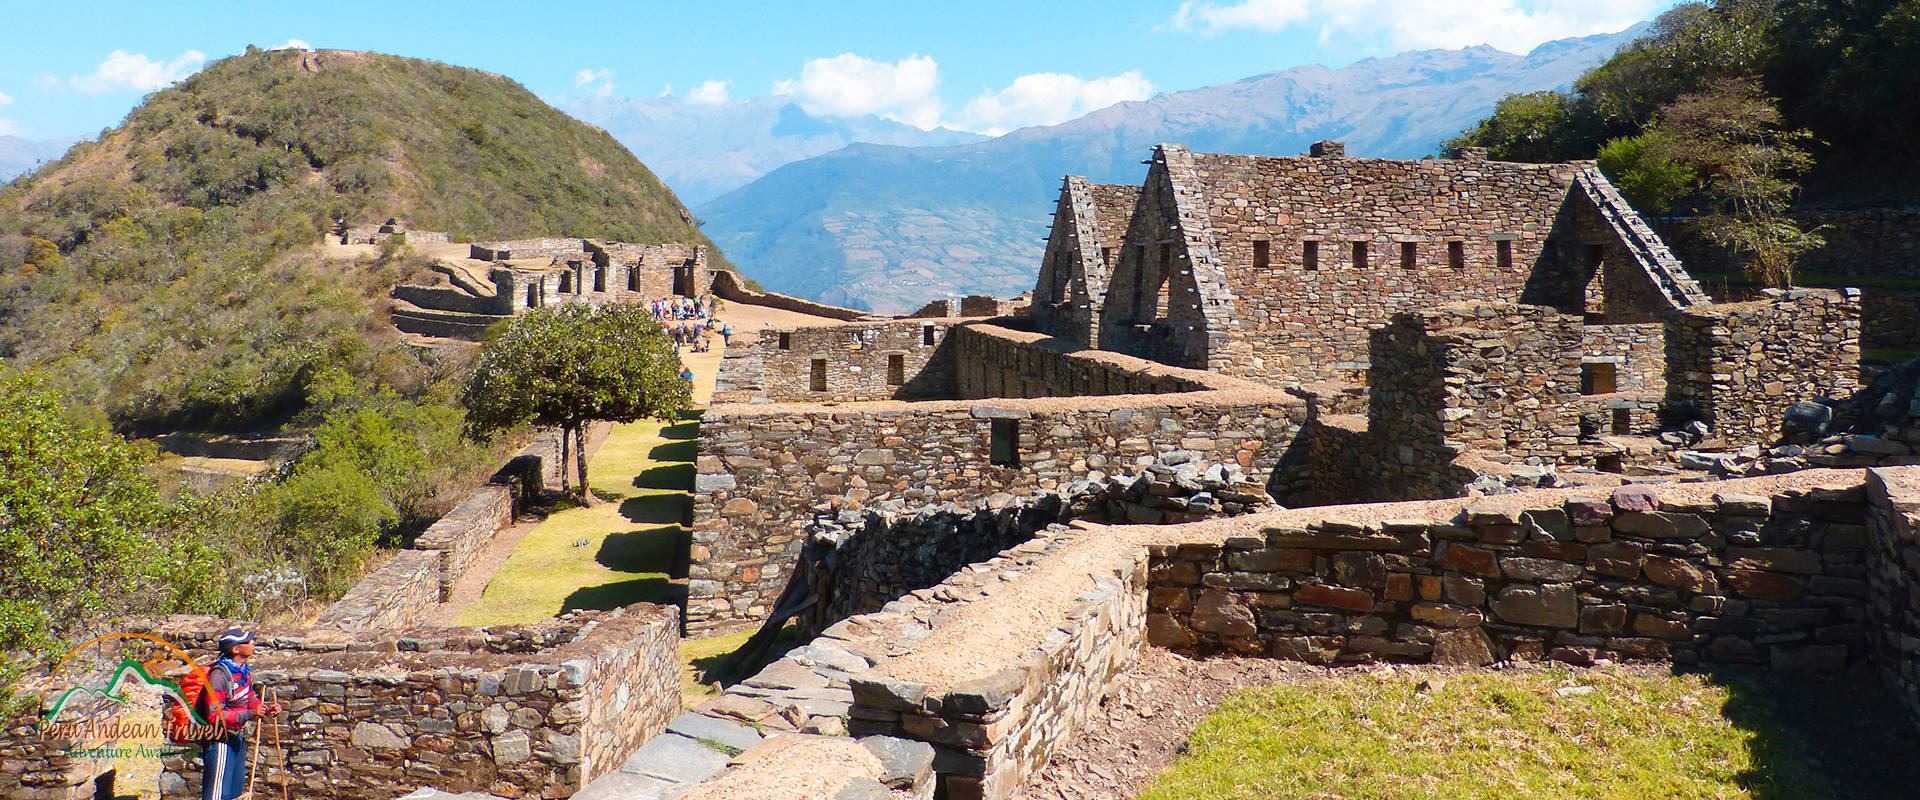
228,701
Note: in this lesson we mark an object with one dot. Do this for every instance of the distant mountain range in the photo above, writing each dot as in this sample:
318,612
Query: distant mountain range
18,155
704,150
891,227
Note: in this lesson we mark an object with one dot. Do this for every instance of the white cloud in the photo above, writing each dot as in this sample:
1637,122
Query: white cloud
849,85
587,77
5,98
124,71
1047,98
1512,25
293,44
711,93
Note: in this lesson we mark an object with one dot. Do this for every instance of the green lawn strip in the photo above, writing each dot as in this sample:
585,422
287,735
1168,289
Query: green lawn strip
630,542
1501,734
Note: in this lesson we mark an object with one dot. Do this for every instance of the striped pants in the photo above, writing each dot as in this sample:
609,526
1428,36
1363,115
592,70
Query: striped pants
226,769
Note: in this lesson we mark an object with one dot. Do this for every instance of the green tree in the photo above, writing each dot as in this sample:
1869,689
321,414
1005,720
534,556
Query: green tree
1731,136
1640,167
77,517
571,365
1533,127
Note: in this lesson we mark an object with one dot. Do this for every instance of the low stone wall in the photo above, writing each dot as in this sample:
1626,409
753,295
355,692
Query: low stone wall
764,470
990,361
1739,366
727,286
990,733
546,247
394,595
1894,580
1701,574
857,562
446,298
460,535
533,711
414,581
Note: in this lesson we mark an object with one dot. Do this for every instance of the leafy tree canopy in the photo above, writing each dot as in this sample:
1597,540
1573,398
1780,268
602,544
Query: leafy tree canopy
570,365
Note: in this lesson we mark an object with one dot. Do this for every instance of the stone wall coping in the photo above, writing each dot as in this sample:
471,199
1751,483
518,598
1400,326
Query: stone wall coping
993,638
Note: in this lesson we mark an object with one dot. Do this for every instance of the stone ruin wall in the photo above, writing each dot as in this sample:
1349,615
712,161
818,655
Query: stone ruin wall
1738,367
534,710
519,711
1732,578
1637,350
780,364
764,471
729,286
414,582
1800,576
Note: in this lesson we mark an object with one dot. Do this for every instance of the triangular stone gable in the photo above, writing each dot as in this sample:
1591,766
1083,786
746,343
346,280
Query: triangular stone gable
1169,298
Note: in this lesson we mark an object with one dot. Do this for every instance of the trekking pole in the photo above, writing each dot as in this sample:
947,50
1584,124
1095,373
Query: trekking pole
253,761
279,752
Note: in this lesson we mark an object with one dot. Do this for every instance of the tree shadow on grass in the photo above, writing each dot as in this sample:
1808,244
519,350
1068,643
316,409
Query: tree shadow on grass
618,594
657,509
1841,735
649,550
672,477
687,430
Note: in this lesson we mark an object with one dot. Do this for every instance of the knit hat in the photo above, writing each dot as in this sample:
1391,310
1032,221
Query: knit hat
234,638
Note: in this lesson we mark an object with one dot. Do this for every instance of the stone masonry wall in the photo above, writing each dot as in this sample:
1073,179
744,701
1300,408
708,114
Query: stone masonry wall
990,733
1639,353
763,471
996,362
413,582
534,711
1729,577
1890,319
1739,366
1894,579
857,360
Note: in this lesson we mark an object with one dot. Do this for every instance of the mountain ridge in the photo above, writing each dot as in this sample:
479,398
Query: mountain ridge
889,227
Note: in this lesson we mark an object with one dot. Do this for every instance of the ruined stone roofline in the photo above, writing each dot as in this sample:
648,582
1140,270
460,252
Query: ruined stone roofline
1565,168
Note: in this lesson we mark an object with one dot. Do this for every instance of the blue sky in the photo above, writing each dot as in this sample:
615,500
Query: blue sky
71,69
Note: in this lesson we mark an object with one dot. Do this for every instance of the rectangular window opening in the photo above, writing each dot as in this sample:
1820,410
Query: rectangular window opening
1622,421
1408,253
786,341
1004,448
896,369
1457,255
819,374
1503,252
1359,255
1260,254
1310,255
926,335
1610,462
1598,377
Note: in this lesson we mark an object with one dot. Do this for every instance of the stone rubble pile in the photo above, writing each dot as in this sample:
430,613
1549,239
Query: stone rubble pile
1878,427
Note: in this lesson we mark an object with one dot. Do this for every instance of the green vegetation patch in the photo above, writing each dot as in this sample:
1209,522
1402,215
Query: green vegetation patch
1511,734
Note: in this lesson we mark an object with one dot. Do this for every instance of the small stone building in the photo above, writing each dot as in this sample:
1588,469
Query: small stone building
1275,268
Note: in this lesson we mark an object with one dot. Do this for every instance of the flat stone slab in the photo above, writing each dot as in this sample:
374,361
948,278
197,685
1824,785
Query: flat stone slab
628,786
700,726
676,758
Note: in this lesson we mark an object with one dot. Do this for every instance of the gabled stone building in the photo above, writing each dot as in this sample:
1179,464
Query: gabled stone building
1275,268
1089,228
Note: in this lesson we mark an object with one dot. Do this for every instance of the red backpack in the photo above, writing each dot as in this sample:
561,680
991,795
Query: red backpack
178,719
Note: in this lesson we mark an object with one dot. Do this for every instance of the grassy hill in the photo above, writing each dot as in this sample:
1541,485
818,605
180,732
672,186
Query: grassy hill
164,272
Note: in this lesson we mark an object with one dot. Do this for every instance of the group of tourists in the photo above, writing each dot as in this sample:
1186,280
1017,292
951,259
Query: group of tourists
688,308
